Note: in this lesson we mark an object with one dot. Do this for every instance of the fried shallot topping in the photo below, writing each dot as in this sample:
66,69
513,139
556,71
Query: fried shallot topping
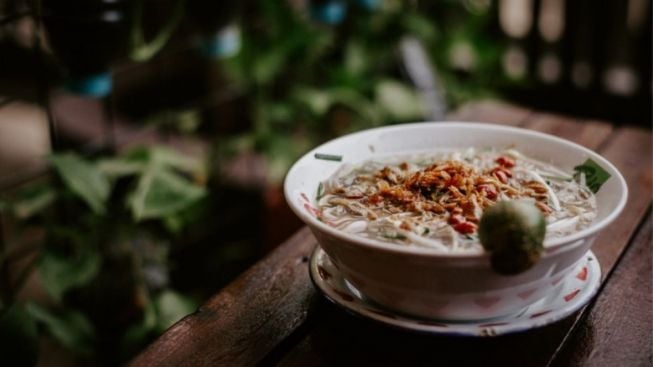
452,187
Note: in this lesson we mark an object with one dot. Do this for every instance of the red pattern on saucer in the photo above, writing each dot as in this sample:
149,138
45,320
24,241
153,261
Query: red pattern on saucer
574,292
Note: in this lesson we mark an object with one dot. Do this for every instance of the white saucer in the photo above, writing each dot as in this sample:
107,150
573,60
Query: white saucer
576,290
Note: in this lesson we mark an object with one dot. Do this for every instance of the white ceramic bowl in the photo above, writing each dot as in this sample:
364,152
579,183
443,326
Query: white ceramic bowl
422,281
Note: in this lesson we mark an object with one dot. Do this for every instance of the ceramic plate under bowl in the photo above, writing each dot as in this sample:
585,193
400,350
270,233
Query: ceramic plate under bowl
575,291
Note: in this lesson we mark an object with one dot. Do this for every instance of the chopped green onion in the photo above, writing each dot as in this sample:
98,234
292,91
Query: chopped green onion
394,236
320,191
328,157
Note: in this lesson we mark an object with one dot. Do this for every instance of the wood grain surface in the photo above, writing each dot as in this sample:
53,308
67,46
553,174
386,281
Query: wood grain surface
247,319
618,330
630,151
272,315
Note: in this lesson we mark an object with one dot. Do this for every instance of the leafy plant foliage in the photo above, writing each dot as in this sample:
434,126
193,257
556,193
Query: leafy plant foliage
307,81
104,249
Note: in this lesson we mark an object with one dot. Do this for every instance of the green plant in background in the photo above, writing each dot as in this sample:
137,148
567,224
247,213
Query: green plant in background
108,224
466,48
307,81
106,228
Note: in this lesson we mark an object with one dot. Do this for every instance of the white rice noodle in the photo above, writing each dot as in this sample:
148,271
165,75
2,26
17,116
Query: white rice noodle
562,224
426,242
552,196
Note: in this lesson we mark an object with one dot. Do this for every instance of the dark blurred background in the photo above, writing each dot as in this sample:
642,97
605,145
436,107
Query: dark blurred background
143,143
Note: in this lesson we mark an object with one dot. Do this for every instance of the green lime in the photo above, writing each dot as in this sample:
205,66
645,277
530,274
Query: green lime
513,233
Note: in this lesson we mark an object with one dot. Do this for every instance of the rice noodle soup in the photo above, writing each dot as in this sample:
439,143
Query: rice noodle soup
436,200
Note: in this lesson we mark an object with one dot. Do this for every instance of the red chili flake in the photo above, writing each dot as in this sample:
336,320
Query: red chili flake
465,227
502,169
456,219
501,176
375,199
490,191
506,161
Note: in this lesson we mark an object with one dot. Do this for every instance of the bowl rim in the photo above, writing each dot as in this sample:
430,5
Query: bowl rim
551,246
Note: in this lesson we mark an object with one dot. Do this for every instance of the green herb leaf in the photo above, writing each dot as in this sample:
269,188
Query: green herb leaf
320,191
69,327
83,179
328,157
595,175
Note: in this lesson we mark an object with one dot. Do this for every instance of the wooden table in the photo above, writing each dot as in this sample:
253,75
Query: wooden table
273,315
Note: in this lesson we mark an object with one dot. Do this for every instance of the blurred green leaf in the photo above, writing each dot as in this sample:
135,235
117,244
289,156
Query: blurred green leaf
71,328
119,167
317,101
33,200
83,179
62,272
356,60
142,50
171,307
163,157
361,105
398,100
269,65
229,146
161,193
138,160
183,121
282,151
420,26
281,113
170,158
18,337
